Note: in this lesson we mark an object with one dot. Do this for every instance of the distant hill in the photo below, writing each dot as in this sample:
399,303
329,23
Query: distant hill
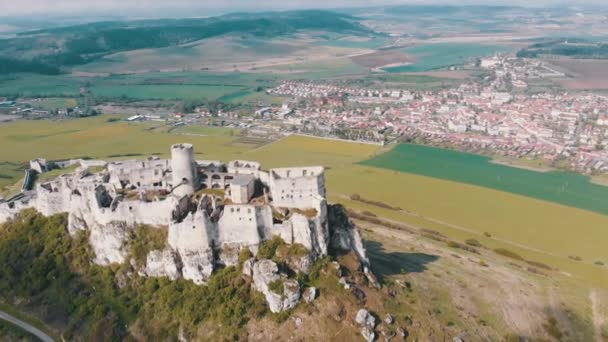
47,50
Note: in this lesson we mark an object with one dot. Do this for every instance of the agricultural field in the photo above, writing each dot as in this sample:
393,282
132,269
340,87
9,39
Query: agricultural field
230,87
560,187
205,131
164,92
582,74
54,103
442,55
30,85
229,53
318,69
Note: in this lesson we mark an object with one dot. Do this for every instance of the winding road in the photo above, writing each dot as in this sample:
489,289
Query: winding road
25,326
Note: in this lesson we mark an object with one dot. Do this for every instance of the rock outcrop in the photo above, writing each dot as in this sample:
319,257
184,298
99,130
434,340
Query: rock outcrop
266,272
163,263
109,243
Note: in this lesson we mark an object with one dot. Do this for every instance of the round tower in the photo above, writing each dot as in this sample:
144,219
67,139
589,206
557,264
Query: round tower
183,169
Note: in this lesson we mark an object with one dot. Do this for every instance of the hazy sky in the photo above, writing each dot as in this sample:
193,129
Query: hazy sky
156,7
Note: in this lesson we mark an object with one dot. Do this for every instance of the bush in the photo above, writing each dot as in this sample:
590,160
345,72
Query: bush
145,239
268,248
244,255
539,265
507,253
368,213
473,242
552,329
277,286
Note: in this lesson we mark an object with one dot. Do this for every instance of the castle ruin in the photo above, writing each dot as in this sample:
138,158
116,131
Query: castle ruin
211,210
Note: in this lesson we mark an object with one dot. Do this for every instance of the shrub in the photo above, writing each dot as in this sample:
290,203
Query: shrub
507,253
277,286
368,213
539,265
145,239
552,329
244,255
268,248
473,242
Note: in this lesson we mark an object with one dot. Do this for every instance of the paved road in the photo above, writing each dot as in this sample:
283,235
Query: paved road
25,326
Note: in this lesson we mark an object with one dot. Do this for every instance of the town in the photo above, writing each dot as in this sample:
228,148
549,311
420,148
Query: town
495,115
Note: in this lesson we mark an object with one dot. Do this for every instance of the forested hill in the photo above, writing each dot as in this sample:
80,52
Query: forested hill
47,50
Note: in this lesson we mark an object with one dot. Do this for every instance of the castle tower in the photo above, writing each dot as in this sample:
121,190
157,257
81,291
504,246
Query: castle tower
183,169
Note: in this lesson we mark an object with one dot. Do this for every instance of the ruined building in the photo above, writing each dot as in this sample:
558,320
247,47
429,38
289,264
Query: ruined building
211,211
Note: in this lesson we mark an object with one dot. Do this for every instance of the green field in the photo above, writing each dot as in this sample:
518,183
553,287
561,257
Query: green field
569,189
164,92
356,42
436,56
538,230
229,87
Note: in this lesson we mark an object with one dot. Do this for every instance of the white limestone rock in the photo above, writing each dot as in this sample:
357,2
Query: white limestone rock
76,223
291,294
361,317
347,238
197,265
228,255
368,334
264,273
303,264
366,319
163,264
310,294
248,267
108,243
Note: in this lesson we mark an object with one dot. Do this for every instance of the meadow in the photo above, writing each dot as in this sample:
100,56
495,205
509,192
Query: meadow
538,230
442,55
229,87
560,187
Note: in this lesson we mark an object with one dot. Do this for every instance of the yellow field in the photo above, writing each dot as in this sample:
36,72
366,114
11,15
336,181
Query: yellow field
537,230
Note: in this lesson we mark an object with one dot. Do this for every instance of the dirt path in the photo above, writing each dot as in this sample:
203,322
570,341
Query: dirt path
598,318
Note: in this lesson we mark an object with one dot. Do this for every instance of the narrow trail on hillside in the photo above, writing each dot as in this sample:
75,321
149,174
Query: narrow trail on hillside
598,318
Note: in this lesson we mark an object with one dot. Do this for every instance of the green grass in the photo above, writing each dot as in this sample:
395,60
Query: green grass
206,131
164,92
437,56
559,187
55,103
30,85
45,176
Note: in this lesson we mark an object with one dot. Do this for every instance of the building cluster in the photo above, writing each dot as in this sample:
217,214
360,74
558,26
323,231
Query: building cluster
488,115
